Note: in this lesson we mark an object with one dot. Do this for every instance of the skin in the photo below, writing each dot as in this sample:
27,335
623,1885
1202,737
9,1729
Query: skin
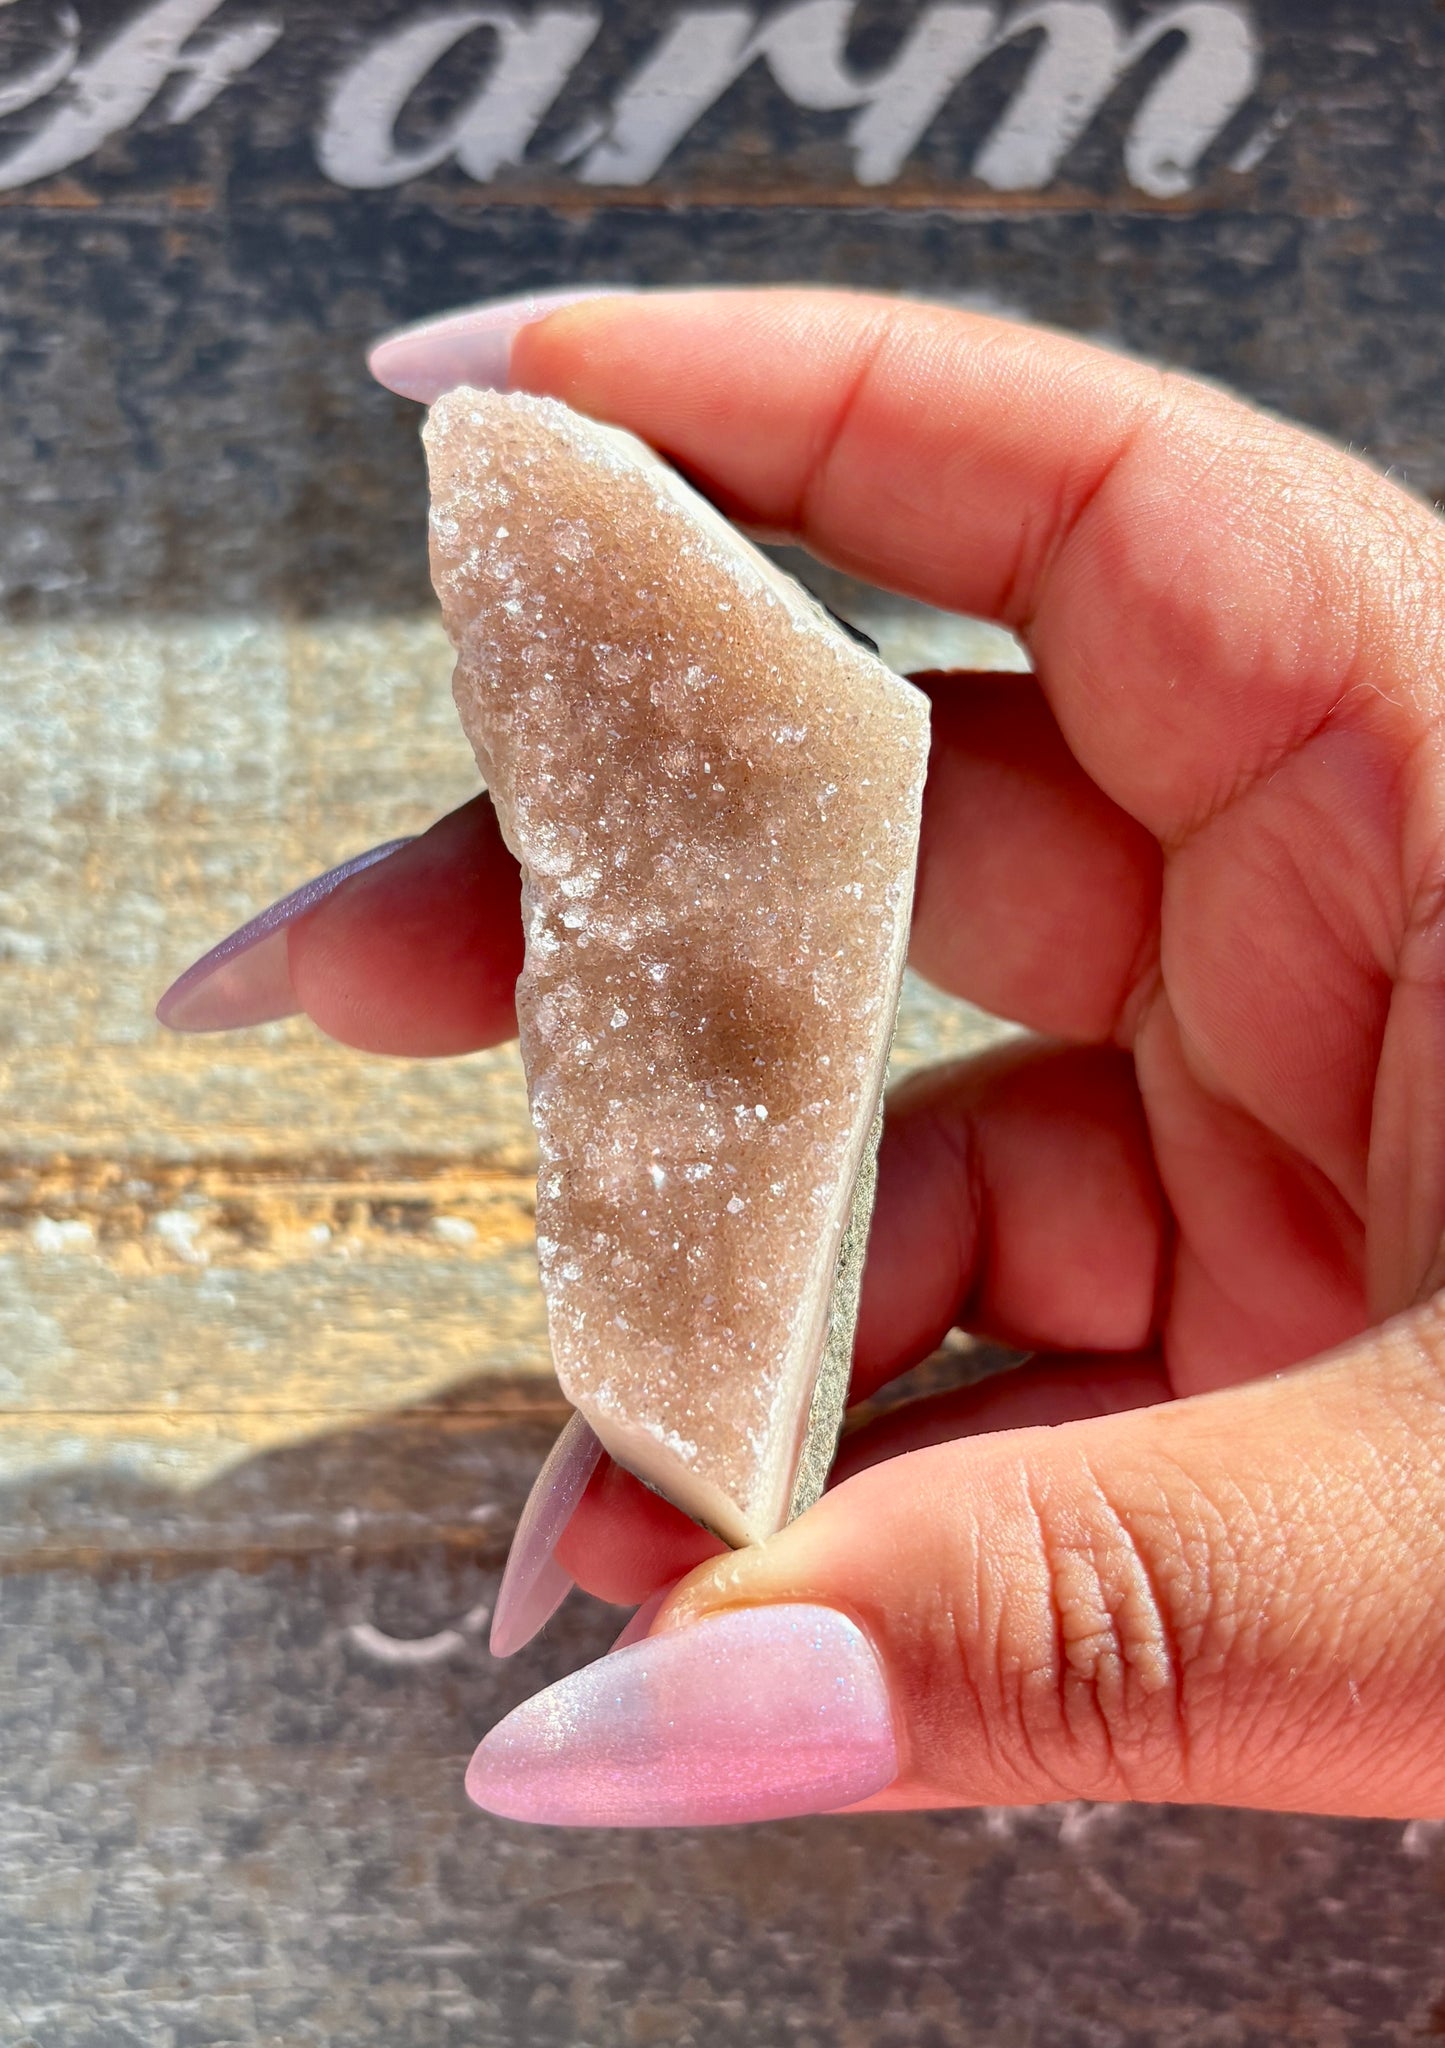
1196,1549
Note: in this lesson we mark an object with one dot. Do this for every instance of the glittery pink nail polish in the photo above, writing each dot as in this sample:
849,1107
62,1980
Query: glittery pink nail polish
246,979
751,1714
472,347
534,1585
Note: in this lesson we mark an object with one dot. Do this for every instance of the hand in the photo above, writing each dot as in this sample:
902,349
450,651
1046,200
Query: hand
1202,851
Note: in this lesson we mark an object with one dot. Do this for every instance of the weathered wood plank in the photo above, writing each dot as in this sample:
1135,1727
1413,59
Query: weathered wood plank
272,1373
230,1817
212,1248
188,424
300,481
648,105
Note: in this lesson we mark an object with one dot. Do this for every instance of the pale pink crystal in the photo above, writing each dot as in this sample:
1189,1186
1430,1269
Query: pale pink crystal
714,796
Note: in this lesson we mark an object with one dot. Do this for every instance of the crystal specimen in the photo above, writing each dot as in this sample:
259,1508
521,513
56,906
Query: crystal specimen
714,796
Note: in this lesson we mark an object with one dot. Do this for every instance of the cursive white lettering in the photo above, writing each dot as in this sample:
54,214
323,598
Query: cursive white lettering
1084,56
356,145
109,90
705,52
1084,53
27,87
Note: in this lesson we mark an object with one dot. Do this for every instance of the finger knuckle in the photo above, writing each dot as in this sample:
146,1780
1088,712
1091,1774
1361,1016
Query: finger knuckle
1100,1669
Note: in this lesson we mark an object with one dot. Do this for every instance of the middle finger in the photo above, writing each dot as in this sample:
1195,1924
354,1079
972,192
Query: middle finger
1038,897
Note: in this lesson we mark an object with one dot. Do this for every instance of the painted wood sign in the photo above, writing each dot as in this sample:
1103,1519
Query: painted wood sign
273,1371
566,93
208,206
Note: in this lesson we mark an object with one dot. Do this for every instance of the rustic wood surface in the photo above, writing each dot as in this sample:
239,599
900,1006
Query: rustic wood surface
221,1244
273,1381
273,1384
187,421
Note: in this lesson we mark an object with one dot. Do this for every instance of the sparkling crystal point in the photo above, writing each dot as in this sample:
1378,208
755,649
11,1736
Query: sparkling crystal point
714,796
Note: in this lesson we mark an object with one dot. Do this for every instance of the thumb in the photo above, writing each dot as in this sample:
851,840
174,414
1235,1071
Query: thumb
1237,1599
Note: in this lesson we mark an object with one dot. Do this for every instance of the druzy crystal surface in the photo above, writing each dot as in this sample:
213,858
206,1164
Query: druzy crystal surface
714,797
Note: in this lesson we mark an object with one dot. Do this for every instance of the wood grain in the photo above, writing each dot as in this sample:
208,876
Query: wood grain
228,1823
214,1247
273,1385
273,1381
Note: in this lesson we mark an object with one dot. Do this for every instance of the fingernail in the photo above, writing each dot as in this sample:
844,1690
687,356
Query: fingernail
641,1622
472,347
753,1714
246,979
534,1585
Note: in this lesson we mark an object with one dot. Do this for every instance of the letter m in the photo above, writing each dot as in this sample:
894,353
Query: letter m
1085,54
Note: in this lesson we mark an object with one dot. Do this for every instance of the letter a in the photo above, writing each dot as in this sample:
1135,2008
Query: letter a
357,143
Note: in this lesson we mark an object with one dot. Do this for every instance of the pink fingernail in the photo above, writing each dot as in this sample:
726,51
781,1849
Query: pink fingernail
534,1585
748,1715
246,979
471,347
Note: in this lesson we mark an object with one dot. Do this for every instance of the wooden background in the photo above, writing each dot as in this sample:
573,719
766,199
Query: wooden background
272,1373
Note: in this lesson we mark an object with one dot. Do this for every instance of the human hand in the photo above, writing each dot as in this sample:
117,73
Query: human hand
1202,850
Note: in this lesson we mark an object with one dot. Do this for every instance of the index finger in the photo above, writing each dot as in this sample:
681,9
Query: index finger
1199,584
